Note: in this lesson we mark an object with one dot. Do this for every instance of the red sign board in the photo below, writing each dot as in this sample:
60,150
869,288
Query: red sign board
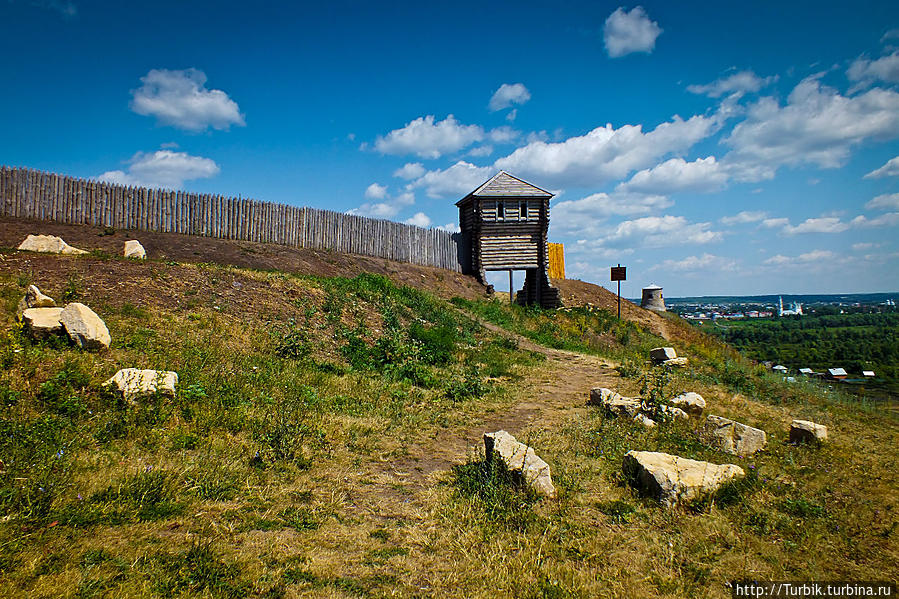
618,273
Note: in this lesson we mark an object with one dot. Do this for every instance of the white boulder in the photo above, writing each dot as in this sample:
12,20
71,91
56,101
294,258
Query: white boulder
133,249
42,322
134,383
806,431
733,437
48,244
661,354
520,458
672,479
34,299
84,327
690,402
644,420
673,413
614,402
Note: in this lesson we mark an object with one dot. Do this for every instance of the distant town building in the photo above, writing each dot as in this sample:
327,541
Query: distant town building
836,374
868,374
780,369
806,371
652,299
794,310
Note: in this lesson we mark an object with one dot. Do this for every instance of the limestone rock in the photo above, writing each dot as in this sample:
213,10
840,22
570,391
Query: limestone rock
85,328
805,431
692,403
134,383
48,244
673,412
733,437
661,354
614,402
133,249
34,299
42,322
676,362
520,458
644,420
672,479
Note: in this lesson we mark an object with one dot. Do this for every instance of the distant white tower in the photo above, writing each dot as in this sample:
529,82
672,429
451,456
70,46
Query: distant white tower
780,306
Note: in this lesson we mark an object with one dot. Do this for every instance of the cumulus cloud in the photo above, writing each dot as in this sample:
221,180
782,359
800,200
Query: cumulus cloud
387,208
410,170
457,180
449,227
824,224
705,262
162,168
738,83
419,219
657,231
703,174
509,94
587,216
180,99
428,138
481,151
890,169
866,72
806,258
817,126
504,135
375,192
887,201
627,32
745,217
890,219
774,223
605,153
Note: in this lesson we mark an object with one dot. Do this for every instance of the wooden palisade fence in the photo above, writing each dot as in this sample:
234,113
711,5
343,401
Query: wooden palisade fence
30,194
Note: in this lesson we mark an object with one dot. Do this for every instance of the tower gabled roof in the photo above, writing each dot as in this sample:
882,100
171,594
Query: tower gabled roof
504,185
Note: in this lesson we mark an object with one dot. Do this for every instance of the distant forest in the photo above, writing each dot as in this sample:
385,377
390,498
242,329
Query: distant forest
855,342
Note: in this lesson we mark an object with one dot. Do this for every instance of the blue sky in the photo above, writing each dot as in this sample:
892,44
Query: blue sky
711,149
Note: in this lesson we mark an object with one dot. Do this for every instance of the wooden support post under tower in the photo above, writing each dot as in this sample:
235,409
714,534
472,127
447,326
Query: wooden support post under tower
511,290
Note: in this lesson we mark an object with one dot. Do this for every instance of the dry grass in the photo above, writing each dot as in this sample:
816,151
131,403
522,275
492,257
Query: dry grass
306,475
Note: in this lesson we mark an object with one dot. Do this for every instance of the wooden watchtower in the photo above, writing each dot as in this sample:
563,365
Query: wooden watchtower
504,226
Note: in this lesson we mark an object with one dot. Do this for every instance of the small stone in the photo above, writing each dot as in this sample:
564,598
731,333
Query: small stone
134,383
806,431
661,354
85,328
675,363
644,420
690,402
673,412
42,322
520,458
614,402
133,249
34,299
48,244
733,437
672,479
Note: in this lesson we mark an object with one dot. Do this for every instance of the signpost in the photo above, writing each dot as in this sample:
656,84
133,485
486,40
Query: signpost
619,273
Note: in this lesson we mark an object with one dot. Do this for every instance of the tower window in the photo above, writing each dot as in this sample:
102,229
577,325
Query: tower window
500,211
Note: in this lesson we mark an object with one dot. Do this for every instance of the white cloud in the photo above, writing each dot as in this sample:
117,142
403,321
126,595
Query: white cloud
891,34
706,262
513,114
449,228
817,126
627,32
375,192
890,219
457,180
388,208
866,72
605,153
824,224
162,168
703,174
656,231
587,216
410,170
481,151
419,219
738,83
774,223
504,135
180,99
863,246
509,94
428,138
808,257
890,169
887,201
744,217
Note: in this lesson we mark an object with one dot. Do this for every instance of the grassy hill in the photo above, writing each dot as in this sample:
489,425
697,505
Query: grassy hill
321,444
